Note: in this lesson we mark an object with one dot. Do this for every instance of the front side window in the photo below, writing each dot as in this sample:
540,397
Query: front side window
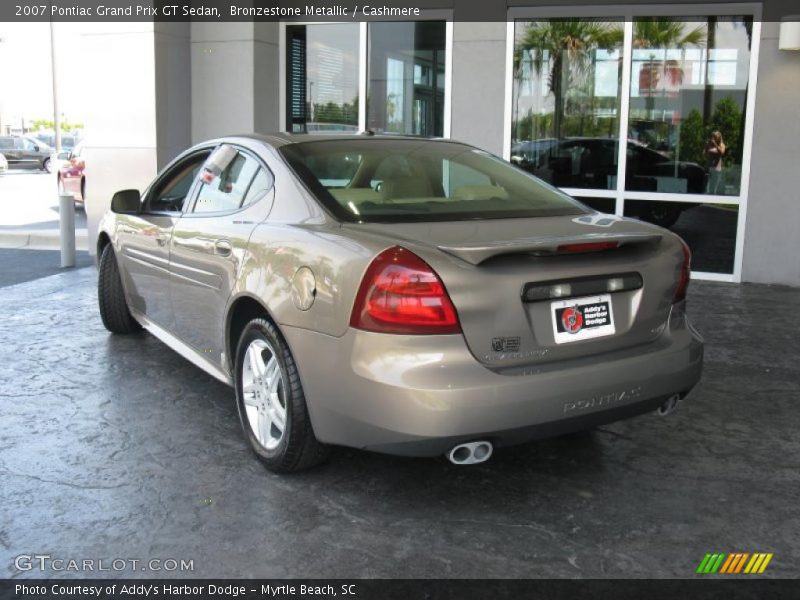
170,191
416,181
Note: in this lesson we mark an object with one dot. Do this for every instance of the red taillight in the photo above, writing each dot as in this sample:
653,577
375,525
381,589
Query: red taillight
401,293
683,278
586,247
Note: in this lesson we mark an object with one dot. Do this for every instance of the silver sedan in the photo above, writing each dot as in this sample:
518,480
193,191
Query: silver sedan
407,296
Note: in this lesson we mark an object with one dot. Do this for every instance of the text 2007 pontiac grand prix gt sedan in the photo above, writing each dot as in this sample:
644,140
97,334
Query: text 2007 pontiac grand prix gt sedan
401,295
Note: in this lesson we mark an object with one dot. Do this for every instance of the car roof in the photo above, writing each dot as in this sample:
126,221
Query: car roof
285,139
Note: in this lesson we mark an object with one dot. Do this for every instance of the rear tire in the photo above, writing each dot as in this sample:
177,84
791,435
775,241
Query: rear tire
269,396
111,296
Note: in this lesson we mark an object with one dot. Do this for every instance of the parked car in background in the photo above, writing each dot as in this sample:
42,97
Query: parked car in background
71,173
23,152
68,140
3,165
584,162
408,296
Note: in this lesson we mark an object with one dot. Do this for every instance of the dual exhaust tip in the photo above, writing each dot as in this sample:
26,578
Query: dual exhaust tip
470,453
669,406
473,453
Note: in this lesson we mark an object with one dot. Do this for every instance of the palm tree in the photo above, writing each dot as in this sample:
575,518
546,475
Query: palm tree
663,33
565,47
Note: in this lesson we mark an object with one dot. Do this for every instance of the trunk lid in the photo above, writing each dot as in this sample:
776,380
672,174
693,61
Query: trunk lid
498,273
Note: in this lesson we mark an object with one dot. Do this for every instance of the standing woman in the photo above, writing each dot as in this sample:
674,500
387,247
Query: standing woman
714,151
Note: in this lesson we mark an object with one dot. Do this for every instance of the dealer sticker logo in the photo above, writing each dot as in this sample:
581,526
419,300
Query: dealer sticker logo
572,319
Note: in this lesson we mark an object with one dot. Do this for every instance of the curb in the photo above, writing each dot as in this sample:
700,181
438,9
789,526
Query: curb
40,240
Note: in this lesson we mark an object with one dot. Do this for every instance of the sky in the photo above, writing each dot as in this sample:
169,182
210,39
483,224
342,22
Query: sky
25,71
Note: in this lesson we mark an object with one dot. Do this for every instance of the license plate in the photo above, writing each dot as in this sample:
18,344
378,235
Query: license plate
582,318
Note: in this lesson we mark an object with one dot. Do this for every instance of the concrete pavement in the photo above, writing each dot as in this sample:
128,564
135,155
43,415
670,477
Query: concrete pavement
29,212
116,447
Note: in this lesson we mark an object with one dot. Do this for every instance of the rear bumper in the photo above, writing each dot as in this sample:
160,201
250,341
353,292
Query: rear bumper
420,395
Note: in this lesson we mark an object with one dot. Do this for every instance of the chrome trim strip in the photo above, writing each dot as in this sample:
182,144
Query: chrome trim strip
147,263
196,281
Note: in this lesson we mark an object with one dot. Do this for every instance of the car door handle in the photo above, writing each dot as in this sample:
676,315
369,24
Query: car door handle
223,248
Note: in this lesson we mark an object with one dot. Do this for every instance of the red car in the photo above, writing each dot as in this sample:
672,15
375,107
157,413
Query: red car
72,176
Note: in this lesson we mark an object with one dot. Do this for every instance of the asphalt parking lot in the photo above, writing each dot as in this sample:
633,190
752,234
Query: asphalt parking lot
115,447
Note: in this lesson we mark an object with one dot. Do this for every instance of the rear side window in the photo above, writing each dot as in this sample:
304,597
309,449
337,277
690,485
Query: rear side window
262,183
6,143
227,191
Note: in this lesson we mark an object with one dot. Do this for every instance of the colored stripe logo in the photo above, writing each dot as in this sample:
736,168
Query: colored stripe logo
735,563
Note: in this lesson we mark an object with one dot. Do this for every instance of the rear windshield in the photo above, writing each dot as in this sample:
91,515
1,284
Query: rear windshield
380,180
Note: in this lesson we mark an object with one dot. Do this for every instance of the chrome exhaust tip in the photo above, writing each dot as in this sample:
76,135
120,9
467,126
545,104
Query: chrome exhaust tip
470,453
669,406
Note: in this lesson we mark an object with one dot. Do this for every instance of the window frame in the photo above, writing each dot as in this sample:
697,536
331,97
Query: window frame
627,13
363,62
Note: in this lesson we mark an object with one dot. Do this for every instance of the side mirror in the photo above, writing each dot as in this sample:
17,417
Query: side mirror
35,147
126,202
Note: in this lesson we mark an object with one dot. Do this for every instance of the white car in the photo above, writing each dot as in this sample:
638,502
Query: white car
3,165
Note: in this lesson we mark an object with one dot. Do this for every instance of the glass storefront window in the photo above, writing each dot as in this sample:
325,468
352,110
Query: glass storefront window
685,118
566,99
708,229
688,95
405,80
322,78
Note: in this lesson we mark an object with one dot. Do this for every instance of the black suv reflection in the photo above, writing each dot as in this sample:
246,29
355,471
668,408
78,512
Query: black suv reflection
584,162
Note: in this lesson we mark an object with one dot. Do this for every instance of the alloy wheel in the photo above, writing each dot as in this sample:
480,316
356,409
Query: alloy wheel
263,393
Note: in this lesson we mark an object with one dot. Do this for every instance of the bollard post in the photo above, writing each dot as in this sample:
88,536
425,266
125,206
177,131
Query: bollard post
66,219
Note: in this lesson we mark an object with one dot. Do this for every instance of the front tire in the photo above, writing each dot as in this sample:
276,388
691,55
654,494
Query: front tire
271,403
47,166
111,296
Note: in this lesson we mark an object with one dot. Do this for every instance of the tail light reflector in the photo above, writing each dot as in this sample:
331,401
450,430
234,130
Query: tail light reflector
401,293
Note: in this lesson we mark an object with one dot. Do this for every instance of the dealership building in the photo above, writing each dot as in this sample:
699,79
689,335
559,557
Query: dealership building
687,115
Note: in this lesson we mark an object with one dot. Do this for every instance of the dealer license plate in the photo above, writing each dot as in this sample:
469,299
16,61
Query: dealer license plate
582,318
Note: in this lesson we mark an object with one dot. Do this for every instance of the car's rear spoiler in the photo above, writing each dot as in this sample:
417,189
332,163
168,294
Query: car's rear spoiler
548,245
